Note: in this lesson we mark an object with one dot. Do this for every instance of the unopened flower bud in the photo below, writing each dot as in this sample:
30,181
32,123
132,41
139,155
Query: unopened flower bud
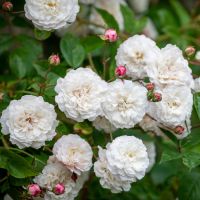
157,97
179,130
54,59
7,6
120,71
59,189
74,177
150,86
34,190
111,35
190,51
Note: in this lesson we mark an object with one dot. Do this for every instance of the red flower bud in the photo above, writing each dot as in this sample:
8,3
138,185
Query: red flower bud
179,130
150,86
7,6
111,35
54,59
59,189
34,190
120,71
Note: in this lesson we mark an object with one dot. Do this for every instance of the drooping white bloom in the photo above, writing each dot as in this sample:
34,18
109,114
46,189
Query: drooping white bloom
175,107
107,179
7,197
80,94
111,6
127,158
55,172
125,103
51,14
150,30
74,152
139,6
172,68
137,54
197,55
150,125
197,85
151,151
101,123
30,122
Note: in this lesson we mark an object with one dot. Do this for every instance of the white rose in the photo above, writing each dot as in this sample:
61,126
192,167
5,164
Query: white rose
127,158
174,108
151,151
30,122
80,94
107,179
55,172
171,69
101,123
137,54
74,152
112,7
150,125
51,14
125,103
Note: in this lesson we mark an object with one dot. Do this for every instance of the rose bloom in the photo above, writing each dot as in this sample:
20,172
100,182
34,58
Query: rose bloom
125,103
107,179
127,158
30,122
137,53
74,152
80,94
51,14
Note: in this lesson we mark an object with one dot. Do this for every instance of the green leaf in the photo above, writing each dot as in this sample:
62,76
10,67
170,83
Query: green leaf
169,153
197,103
72,50
16,165
182,14
190,187
140,24
191,159
41,35
108,19
129,18
21,59
5,43
92,43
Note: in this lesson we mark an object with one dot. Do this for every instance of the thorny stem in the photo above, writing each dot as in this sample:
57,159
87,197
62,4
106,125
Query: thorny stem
5,143
91,62
111,136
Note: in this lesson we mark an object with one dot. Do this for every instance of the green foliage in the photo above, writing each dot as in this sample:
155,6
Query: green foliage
72,50
197,103
41,35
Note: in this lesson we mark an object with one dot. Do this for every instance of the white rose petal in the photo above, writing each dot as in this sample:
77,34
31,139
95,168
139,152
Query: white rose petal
80,94
172,69
137,54
151,151
125,103
30,122
107,179
51,14
197,85
74,152
127,158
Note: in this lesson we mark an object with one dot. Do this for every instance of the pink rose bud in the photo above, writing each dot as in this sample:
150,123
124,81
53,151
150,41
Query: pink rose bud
179,130
111,35
120,71
59,189
54,59
34,190
150,86
190,51
157,97
7,6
